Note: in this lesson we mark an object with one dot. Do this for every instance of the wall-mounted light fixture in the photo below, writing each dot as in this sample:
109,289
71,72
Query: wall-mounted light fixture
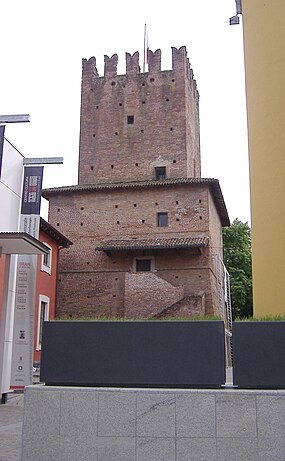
234,20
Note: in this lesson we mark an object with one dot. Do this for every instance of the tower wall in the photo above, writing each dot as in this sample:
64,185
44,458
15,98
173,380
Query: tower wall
132,123
95,283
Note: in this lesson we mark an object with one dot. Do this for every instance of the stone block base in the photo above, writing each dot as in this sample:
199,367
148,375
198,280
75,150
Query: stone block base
118,424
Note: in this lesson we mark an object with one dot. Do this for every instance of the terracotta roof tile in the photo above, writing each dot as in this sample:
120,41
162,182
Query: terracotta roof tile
153,244
169,182
127,185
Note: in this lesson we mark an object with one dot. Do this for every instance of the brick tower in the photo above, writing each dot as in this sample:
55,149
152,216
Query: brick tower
146,227
133,123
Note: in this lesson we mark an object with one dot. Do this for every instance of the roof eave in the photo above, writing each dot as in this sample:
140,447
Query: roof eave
54,234
169,182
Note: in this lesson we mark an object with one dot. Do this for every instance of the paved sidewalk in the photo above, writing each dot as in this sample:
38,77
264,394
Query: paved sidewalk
11,416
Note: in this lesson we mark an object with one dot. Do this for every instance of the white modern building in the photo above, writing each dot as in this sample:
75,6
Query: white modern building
12,243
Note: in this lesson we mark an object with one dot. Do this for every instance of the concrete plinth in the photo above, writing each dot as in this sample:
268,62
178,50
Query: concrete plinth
112,424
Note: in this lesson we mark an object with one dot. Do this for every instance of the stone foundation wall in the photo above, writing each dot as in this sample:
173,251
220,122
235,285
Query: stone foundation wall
111,424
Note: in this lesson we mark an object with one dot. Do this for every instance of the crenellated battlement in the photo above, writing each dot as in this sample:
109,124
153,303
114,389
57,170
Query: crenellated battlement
180,64
179,58
132,63
110,65
89,67
136,122
154,61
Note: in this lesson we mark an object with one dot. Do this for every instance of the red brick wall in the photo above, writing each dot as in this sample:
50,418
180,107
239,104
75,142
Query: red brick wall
192,121
92,283
166,120
165,132
146,294
119,213
216,255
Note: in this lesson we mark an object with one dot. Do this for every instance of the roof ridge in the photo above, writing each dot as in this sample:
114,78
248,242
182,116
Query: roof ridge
155,182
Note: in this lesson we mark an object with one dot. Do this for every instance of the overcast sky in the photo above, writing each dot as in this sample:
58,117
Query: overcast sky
43,43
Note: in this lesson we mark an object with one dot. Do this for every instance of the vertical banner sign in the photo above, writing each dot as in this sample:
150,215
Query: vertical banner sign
2,132
23,336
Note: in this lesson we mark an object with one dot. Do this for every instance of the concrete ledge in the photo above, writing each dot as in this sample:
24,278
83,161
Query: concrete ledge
119,424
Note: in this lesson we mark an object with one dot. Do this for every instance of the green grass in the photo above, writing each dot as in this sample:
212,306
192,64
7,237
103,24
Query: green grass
122,319
267,318
204,317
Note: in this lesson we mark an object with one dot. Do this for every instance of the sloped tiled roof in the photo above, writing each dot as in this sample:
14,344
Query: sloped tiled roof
127,185
153,244
169,182
54,234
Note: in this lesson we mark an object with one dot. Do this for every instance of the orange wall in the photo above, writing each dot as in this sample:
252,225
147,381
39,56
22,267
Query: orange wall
46,285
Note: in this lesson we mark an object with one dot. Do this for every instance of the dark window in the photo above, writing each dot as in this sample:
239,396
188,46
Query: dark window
43,316
162,219
46,259
160,172
143,265
130,119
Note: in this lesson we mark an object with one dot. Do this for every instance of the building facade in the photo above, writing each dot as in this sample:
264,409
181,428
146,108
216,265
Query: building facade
146,228
14,244
45,297
265,67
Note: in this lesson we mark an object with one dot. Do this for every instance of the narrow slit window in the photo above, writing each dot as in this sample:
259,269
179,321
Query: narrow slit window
130,119
160,172
43,315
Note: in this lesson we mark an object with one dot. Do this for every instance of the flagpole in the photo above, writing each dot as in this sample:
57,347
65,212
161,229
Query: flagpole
144,40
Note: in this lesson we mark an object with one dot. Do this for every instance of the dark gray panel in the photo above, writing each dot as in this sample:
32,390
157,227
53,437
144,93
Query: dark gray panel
258,354
180,354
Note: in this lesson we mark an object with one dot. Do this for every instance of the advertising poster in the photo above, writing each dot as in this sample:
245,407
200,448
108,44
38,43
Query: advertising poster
23,336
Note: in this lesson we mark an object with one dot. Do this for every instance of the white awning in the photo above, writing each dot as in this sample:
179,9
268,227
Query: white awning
21,243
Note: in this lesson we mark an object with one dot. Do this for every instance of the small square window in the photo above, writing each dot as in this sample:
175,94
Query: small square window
162,219
160,172
143,265
130,119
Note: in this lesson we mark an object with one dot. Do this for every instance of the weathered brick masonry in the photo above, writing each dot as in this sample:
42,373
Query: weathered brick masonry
140,158
165,129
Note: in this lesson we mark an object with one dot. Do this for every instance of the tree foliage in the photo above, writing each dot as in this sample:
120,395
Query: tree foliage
237,259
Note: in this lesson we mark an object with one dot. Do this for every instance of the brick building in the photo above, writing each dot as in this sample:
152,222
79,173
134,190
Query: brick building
146,228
